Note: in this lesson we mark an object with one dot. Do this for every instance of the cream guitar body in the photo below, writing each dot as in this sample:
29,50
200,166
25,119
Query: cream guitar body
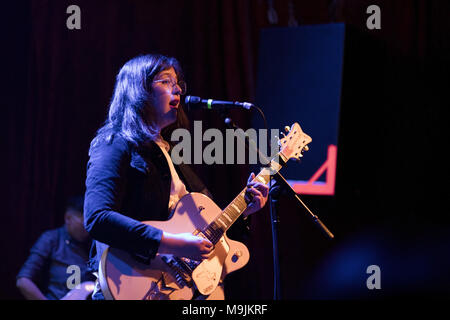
122,276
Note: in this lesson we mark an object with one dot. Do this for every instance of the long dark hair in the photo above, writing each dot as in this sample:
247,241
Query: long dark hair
130,114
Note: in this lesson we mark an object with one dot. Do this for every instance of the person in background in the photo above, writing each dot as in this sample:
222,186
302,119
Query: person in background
45,273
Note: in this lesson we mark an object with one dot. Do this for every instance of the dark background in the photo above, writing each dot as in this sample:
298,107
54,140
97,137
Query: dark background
391,189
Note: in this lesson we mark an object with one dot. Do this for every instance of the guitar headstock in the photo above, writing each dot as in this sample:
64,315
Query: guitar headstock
294,143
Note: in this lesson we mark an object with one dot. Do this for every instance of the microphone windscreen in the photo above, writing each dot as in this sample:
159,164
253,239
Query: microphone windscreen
192,100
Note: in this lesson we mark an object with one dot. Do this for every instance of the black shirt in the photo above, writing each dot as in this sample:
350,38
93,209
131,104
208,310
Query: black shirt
49,259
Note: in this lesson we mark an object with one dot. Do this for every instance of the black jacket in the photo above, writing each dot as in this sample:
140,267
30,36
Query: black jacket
125,185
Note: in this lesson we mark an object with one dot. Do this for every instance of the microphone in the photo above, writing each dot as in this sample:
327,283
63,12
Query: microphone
193,102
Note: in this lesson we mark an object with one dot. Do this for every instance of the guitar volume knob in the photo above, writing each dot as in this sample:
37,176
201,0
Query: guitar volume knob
236,256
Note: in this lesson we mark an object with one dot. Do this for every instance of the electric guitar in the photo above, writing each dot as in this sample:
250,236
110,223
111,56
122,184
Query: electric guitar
167,277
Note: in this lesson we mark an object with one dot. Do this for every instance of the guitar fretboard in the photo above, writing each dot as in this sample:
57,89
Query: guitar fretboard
215,230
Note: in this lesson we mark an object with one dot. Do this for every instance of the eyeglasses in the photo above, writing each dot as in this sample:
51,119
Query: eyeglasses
170,83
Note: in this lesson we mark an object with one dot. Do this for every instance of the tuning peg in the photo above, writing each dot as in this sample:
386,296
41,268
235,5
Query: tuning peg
306,148
287,129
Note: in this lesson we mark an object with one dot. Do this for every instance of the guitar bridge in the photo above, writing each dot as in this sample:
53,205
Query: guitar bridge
181,270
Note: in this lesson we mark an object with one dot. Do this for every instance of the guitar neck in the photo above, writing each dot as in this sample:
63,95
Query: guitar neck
215,230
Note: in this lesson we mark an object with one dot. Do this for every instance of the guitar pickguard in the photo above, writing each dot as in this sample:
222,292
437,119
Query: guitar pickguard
208,273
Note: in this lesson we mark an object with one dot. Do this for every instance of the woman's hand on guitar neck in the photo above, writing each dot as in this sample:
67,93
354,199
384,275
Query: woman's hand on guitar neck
185,245
255,195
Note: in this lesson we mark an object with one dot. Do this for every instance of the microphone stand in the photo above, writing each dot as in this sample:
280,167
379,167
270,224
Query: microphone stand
274,192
